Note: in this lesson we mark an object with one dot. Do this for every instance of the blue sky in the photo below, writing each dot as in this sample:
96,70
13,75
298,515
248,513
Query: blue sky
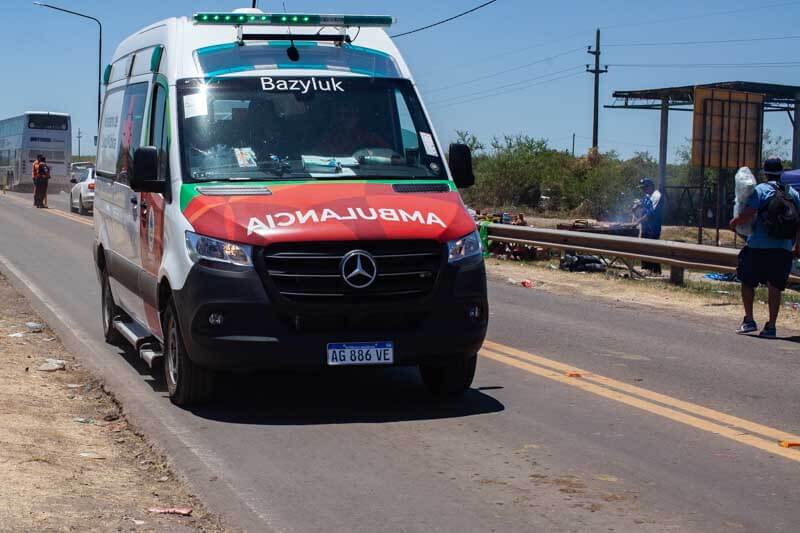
49,59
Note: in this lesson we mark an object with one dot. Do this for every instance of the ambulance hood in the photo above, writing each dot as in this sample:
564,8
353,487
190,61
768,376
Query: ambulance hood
266,213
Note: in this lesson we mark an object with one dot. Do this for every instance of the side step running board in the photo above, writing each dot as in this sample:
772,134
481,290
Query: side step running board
132,332
140,339
149,353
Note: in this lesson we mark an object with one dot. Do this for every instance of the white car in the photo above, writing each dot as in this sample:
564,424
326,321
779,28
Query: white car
81,197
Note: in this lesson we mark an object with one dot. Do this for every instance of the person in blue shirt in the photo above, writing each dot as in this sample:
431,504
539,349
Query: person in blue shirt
649,212
765,260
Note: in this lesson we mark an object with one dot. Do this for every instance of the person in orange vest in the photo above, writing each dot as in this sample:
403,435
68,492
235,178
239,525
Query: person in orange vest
41,175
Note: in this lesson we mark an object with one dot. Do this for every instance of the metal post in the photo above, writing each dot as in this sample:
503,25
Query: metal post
662,147
79,142
99,52
701,208
796,135
676,275
573,145
596,71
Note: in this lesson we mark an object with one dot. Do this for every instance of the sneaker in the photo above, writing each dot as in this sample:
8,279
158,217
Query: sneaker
769,332
748,326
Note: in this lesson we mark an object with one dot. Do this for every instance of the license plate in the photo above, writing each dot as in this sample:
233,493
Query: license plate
360,353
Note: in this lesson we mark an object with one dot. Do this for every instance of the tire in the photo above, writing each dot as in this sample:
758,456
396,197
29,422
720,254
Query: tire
72,204
81,208
108,311
187,383
451,378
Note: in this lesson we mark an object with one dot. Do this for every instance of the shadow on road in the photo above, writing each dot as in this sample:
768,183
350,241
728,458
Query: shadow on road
339,396
330,396
152,377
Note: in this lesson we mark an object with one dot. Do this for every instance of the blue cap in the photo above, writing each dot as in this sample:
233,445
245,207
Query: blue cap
647,182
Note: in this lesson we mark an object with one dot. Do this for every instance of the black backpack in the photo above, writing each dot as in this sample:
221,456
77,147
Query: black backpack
44,170
780,215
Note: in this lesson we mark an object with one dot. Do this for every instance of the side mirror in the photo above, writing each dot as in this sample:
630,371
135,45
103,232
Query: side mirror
460,163
73,180
144,177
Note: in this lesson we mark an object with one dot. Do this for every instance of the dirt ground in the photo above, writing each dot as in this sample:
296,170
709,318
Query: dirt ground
68,460
715,300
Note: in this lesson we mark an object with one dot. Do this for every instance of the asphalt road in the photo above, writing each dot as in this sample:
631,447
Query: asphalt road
671,423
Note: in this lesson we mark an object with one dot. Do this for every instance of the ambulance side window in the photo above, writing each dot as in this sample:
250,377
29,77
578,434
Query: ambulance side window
108,151
159,130
408,130
131,128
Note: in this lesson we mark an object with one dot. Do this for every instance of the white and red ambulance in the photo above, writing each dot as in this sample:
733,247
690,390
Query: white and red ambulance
271,194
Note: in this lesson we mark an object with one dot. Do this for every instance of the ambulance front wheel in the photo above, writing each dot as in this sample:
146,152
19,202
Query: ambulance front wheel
109,311
187,383
450,378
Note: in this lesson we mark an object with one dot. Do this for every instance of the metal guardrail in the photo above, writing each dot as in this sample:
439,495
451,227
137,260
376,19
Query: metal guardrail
676,254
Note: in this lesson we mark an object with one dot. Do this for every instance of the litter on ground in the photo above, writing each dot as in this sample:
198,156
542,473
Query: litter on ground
52,365
171,510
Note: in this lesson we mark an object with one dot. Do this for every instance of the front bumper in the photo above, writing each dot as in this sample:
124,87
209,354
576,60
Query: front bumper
259,333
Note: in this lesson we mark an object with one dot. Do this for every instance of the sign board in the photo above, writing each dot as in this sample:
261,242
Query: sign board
727,129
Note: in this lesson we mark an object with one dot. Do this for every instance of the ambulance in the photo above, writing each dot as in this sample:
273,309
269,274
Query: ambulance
271,195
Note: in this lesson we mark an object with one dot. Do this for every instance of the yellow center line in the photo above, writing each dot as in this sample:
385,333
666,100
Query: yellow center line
592,385
692,408
53,211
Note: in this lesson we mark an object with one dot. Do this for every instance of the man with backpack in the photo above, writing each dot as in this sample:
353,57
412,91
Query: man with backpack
774,210
41,175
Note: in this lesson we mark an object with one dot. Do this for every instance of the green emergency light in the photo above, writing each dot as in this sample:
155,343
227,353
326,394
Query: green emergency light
293,19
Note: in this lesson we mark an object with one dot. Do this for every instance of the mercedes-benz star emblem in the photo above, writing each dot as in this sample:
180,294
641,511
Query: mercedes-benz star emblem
358,269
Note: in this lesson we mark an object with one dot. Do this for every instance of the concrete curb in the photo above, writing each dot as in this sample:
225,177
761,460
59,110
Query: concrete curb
193,465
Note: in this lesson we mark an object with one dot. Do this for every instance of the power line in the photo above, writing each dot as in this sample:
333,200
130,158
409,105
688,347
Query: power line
513,51
779,64
702,15
719,41
506,71
429,26
511,90
506,86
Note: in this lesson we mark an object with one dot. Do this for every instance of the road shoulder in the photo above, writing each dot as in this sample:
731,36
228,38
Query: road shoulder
70,459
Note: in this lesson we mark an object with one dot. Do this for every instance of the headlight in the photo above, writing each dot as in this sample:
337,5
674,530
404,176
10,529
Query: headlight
466,246
202,248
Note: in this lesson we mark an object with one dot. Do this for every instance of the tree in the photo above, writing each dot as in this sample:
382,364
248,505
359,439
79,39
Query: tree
774,145
465,137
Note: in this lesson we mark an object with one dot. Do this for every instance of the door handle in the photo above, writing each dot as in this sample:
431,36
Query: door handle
135,208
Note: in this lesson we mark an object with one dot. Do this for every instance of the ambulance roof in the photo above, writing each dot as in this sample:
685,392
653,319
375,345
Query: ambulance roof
181,37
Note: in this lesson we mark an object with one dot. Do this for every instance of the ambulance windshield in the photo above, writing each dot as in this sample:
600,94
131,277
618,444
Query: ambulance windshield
255,128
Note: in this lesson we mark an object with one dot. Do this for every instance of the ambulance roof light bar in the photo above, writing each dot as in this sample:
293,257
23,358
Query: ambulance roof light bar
293,19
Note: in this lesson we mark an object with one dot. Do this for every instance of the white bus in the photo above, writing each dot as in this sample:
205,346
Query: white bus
25,136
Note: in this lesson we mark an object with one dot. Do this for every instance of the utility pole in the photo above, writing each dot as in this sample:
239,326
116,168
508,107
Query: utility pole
79,142
596,71
573,145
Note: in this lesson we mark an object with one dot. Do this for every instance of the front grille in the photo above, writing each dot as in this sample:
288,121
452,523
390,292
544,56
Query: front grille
310,272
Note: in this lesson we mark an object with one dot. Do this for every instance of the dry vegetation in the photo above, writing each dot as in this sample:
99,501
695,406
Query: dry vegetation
69,460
